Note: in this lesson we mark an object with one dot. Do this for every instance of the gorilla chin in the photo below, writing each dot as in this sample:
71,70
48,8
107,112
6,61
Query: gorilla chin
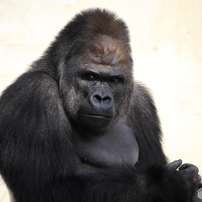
94,122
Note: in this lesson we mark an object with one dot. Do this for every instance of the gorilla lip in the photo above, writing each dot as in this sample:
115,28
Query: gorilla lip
98,116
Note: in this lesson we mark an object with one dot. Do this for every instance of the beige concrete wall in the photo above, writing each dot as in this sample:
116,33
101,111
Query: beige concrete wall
166,38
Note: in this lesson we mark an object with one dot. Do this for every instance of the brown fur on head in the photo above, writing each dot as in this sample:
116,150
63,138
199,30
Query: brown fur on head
102,22
106,51
96,35
106,39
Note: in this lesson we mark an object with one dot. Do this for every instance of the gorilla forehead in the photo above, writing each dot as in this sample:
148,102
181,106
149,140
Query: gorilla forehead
106,51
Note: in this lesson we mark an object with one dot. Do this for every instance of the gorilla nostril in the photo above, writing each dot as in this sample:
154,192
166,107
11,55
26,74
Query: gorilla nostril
107,100
97,98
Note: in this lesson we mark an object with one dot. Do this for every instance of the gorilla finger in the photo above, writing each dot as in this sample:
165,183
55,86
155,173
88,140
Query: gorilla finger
189,168
175,164
185,166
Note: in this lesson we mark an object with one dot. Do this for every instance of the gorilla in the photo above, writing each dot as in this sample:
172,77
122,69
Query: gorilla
76,127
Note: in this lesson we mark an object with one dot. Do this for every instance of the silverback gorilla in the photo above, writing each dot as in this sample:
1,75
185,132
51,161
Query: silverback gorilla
77,128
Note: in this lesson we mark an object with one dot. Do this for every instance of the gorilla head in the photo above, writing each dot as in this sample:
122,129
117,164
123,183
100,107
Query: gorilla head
96,71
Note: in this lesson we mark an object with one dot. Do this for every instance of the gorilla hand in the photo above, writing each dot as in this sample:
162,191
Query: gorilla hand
185,175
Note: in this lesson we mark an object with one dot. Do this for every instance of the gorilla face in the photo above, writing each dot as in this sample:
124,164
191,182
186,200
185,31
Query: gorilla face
101,93
104,87
93,83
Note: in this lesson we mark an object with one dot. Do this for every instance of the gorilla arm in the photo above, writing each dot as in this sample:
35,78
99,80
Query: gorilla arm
145,122
34,138
146,125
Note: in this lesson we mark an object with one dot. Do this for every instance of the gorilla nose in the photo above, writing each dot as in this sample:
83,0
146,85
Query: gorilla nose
103,101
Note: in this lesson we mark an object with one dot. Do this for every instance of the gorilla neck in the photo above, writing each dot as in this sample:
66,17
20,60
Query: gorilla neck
92,130
116,146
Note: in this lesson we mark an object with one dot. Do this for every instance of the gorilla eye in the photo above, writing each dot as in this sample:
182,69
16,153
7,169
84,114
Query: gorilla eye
88,77
115,80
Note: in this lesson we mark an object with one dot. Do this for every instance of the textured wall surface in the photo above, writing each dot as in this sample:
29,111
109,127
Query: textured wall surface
167,50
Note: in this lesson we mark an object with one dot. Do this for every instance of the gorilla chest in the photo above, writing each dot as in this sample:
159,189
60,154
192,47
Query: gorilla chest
118,146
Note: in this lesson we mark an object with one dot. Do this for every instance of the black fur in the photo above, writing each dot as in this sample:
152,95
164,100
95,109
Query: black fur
51,151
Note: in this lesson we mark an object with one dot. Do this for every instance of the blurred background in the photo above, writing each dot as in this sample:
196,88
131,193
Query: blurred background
166,40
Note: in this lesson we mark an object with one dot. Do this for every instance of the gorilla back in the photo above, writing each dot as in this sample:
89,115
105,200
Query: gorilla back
76,127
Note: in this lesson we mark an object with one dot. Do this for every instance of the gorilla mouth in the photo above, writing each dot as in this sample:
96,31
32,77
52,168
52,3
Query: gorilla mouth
98,116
